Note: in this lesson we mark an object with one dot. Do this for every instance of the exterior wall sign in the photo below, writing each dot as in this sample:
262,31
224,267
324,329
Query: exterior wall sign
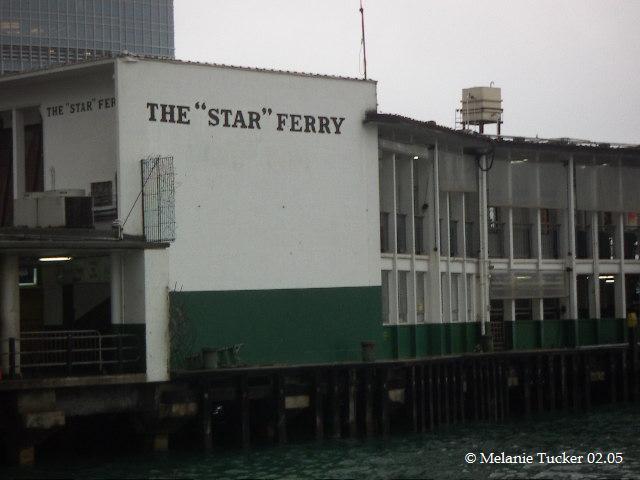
247,119
71,108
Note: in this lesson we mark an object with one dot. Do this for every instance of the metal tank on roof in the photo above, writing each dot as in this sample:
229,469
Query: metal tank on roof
481,106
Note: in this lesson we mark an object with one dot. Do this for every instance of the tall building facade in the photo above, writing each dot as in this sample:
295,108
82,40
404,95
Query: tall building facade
38,33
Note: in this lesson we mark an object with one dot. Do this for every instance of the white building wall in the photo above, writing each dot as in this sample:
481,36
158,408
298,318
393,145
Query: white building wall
256,208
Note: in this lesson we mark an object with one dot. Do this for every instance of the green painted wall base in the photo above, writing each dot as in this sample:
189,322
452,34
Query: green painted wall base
327,325
532,334
424,340
277,326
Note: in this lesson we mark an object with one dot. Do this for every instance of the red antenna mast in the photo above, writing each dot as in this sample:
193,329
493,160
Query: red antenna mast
364,43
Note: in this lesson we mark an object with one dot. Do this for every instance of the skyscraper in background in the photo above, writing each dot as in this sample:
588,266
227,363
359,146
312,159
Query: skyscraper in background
38,33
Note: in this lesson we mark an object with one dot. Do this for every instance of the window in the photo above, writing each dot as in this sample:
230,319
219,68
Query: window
421,286
455,306
102,194
524,309
402,297
471,299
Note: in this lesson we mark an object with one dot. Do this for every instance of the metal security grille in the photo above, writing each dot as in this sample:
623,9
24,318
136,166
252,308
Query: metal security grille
158,199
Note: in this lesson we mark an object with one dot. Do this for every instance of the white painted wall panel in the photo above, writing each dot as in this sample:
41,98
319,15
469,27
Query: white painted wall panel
156,268
257,209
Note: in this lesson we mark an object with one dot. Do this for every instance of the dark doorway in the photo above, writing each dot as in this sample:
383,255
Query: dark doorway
33,158
607,296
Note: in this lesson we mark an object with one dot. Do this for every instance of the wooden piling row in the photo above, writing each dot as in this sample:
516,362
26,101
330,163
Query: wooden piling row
418,396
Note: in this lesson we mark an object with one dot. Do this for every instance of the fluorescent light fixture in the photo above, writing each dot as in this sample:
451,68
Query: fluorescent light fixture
54,259
606,277
522,160
611,280
523,277
416,157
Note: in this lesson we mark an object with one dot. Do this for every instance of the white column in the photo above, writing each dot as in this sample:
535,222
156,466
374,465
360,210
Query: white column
412,312
18,154
433,218
620,285
393,279
9,307
571,253
509,242
538,308
447,305
465,286
483,257
594,287
116,288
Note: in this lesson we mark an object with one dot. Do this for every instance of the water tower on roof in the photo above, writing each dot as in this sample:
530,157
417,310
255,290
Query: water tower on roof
480,106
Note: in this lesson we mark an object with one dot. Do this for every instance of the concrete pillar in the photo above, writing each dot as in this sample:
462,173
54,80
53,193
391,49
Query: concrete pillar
620,292
594,287
464,304
116,288
9,308
483,260
537,305
509,236
412,312
538,308
433,221
18,154
509,307
571,251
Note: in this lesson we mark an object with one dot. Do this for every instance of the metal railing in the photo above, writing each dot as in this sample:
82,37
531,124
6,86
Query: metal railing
522,240
550,240
66,352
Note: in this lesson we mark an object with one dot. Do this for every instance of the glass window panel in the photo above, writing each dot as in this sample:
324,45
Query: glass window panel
402,297
421,307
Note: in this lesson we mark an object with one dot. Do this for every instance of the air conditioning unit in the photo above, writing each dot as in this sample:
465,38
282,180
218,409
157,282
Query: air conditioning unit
56,208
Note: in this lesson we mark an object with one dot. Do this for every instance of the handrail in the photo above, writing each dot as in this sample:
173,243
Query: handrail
70,348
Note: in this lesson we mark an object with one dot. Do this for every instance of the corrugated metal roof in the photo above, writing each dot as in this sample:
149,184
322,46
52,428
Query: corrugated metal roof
178,62
502,140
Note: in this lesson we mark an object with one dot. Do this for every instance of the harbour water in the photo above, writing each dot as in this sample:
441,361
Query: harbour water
603,433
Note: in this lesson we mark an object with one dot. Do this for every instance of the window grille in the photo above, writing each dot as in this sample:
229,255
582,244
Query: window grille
158,199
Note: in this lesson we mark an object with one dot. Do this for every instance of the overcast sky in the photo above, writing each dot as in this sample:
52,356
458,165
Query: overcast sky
567,68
